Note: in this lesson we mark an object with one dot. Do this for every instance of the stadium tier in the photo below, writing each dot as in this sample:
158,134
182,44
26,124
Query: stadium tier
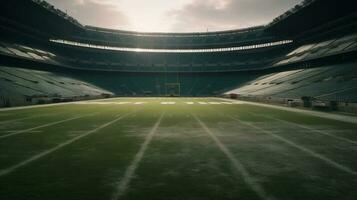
250,62
329,83
23,86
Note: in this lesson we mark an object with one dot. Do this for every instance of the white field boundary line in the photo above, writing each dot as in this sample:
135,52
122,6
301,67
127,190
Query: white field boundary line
45,125
297,146
153,98
342,118
248,179
310,129
41,126
34,106
124,183
36,157
30,117
15,120
46,105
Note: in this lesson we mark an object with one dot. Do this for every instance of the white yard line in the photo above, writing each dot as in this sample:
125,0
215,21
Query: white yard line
306,150
102,103
15,120
227,103
342,118
41,126
168,103
248,179
311,129
123,184
214,103
30,117
11,169
121,103
34,106
44,105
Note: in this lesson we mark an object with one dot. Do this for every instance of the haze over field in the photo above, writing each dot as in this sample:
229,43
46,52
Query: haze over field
174,15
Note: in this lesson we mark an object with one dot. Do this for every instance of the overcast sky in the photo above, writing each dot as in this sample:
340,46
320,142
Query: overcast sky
174,15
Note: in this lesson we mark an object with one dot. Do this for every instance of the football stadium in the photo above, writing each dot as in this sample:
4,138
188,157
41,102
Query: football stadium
264,112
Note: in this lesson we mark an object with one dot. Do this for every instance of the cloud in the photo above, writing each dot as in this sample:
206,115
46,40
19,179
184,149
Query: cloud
102,13
174,15
227,14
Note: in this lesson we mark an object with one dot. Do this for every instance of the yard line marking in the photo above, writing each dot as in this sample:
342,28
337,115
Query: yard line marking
120,103
60,146
168,103
20,119
311,129
27,132
202,103
306,150
248,179
228,103
138,103
41,126
106,103
189,103
15,120
214,103
130,171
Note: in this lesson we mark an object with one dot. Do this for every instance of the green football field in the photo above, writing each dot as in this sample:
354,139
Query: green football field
174,149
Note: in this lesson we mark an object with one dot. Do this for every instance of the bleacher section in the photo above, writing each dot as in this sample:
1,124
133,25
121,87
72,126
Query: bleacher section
303,53
337,45
26,52
253,35
24,87
102,60
154,84
332,83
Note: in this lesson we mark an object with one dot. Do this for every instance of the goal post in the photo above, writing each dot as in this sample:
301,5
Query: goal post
173,89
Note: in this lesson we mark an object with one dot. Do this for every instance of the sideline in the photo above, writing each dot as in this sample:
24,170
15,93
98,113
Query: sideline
342,118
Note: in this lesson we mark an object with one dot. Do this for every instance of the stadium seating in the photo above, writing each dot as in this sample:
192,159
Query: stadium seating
330,47
23,86
93,62
252,35
331,83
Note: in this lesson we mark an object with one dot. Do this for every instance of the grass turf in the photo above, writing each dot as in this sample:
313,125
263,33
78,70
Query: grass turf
256,155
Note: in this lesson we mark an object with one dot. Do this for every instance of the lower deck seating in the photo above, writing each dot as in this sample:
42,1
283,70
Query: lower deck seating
24,86
154,84
330,83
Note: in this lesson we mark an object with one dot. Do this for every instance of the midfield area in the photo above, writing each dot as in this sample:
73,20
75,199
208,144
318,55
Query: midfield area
174,148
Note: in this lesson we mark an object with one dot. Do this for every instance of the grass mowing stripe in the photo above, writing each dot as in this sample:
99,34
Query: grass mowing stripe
237,164
41,126
306,150
310,129
49,151
125,181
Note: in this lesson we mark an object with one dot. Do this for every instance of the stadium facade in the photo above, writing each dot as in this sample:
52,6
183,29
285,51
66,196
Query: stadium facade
305,57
